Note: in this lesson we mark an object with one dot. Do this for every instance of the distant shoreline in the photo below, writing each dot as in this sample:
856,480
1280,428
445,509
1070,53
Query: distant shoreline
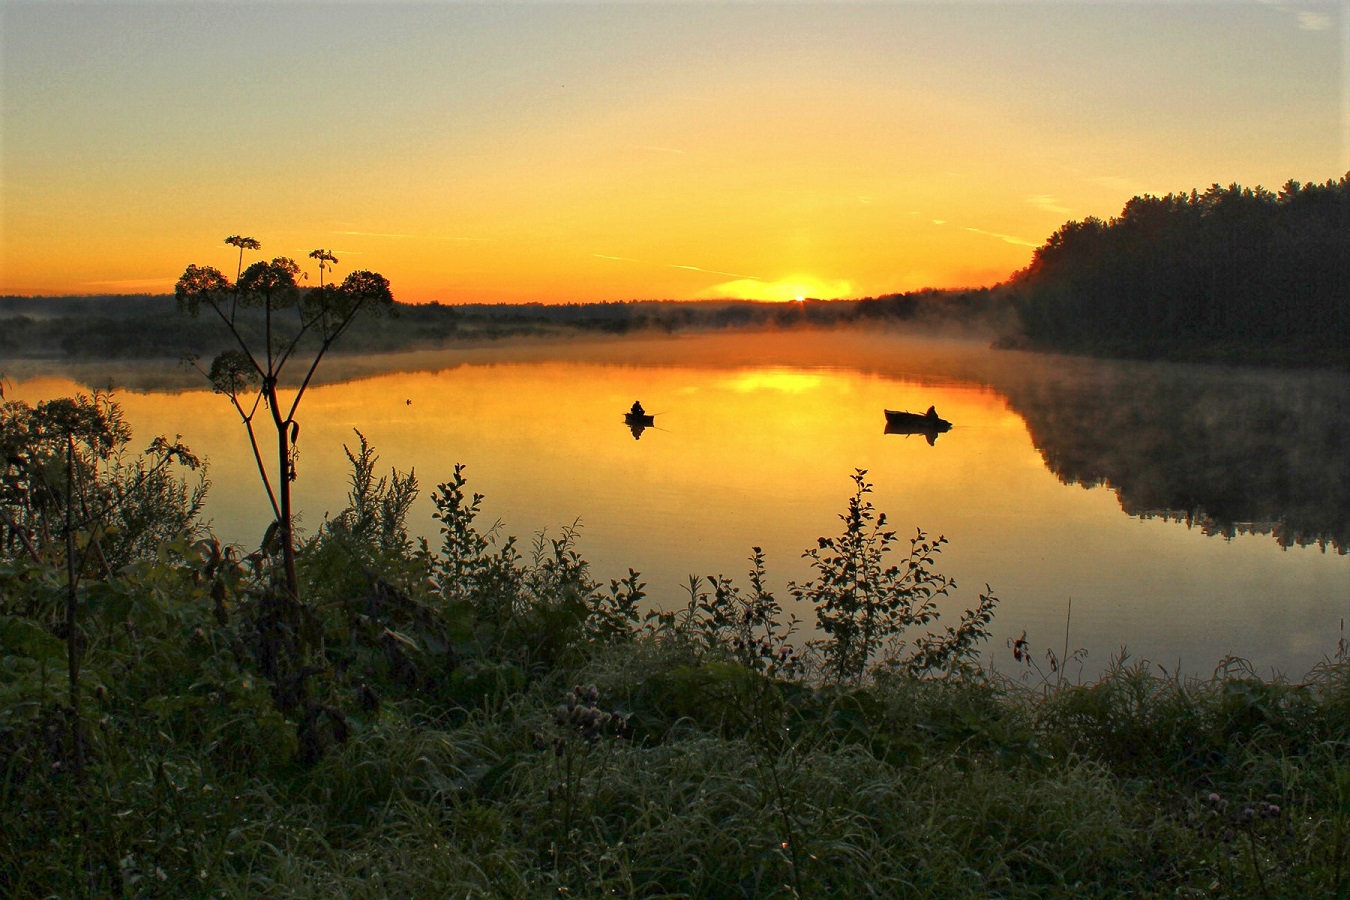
77,333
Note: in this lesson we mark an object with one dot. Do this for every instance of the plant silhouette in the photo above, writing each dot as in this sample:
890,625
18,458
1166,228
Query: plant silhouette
250,374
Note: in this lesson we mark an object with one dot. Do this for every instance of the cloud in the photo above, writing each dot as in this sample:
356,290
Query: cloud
1047,203
1313,21
645,262
660,149
134,282
420,237
939,221
1004,237
1306,18
715,272
1117,183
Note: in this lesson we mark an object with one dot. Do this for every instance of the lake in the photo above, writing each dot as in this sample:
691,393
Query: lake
1185,513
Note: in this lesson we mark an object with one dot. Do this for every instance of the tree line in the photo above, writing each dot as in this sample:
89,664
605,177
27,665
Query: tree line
1240,273
145,327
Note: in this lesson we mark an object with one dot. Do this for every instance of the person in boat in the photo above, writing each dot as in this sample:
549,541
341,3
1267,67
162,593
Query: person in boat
637,409
932,413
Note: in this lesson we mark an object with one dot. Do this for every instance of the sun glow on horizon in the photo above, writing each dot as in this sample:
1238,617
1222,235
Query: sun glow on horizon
787,290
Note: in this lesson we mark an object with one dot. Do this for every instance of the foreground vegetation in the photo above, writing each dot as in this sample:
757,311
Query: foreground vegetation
477,719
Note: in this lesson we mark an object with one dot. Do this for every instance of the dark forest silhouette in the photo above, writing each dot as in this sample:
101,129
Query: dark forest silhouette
1239,273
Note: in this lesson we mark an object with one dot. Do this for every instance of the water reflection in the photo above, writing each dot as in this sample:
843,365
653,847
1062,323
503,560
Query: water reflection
758,438
1225,451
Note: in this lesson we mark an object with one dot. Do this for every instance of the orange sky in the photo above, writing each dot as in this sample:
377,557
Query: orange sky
559,152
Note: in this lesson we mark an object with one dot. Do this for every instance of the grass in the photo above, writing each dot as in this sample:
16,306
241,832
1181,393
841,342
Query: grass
1133,784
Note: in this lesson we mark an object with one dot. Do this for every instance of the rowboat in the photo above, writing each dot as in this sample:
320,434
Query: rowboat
639,420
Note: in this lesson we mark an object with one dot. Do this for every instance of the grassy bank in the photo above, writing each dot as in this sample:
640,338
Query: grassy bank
708,780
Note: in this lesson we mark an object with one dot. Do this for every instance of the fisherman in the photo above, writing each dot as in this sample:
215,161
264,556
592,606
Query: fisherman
637,409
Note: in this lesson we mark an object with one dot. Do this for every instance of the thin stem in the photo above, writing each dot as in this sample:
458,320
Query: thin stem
284,490
247,419
267,306
72,610
238,338
313,366
22,535
1068,616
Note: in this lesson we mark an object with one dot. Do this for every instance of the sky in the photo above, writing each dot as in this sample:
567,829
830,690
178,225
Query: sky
567,152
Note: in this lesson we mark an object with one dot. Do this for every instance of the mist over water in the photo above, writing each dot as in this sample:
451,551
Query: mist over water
1186,512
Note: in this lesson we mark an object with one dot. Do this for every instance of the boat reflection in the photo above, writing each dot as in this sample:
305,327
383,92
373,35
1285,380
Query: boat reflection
638,423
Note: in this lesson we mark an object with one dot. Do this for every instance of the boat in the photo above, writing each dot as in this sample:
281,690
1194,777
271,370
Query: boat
928,424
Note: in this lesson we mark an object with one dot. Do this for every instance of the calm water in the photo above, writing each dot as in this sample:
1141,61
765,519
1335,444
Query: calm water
1186,513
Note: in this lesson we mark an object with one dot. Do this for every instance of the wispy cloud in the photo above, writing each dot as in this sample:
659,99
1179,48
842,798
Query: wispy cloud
420,237
736,275
939,221
1307,19
1117,183
1007,238
660,149
1047,203
716,272
1313,21
133,282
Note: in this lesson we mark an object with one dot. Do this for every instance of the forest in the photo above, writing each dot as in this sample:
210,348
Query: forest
1232,273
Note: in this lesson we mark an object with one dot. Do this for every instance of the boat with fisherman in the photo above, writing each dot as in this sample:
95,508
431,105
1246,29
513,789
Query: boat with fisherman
928,424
